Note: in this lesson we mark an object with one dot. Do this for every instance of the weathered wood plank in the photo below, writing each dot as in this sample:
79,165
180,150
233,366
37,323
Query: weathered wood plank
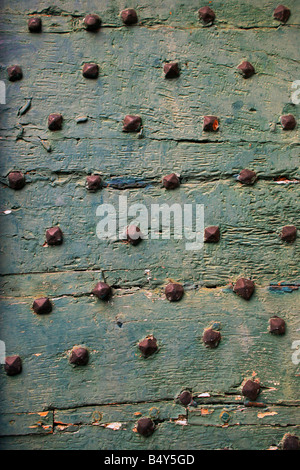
21,424
250,220
232,13
233,415
131,81
168,436
146,160
117,374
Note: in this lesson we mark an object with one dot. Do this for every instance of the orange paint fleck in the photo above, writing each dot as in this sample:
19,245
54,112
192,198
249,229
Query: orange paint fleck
43,413
215,125
137,413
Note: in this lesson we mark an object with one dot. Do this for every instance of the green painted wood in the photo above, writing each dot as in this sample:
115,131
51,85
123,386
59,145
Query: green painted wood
208,84
168,436
250,220
116,372
52,405
22,424
233,13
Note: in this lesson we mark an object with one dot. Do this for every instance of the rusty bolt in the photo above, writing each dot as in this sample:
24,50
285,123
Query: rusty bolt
145,427
79,356
171,181
35,24
174,292
133,234
246,69
102,291
185,398
129,16
281,13
290,442
277,325
206,15
288,122
212,234
251,389
244,288
42,305
92,22
55,122
13,365
171,70
132,123
211,338
93,182
16,180
247,177
288,233
210,123
14,73
90,70
148,346
54,236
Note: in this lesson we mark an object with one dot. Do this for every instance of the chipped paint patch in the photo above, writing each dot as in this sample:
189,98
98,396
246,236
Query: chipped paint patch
204,395
206,411
266,413
114,426
181,422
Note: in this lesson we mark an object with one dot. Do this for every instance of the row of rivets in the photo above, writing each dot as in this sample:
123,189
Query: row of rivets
92,22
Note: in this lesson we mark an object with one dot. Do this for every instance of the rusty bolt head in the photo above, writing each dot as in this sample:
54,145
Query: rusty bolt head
148,346
129,16
251,389
288,122
171,181
42,306
206,15
185,398
288,233
244,288
174,292
102,291
212,234
277,325
133,235
14,73
290,442
93,182
35,24
171,70
132,123
55,122
247,177
210,123
246,69
79,356
211,338
90,70
54,236
145,427
16,180
13,365
281,13
92,22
